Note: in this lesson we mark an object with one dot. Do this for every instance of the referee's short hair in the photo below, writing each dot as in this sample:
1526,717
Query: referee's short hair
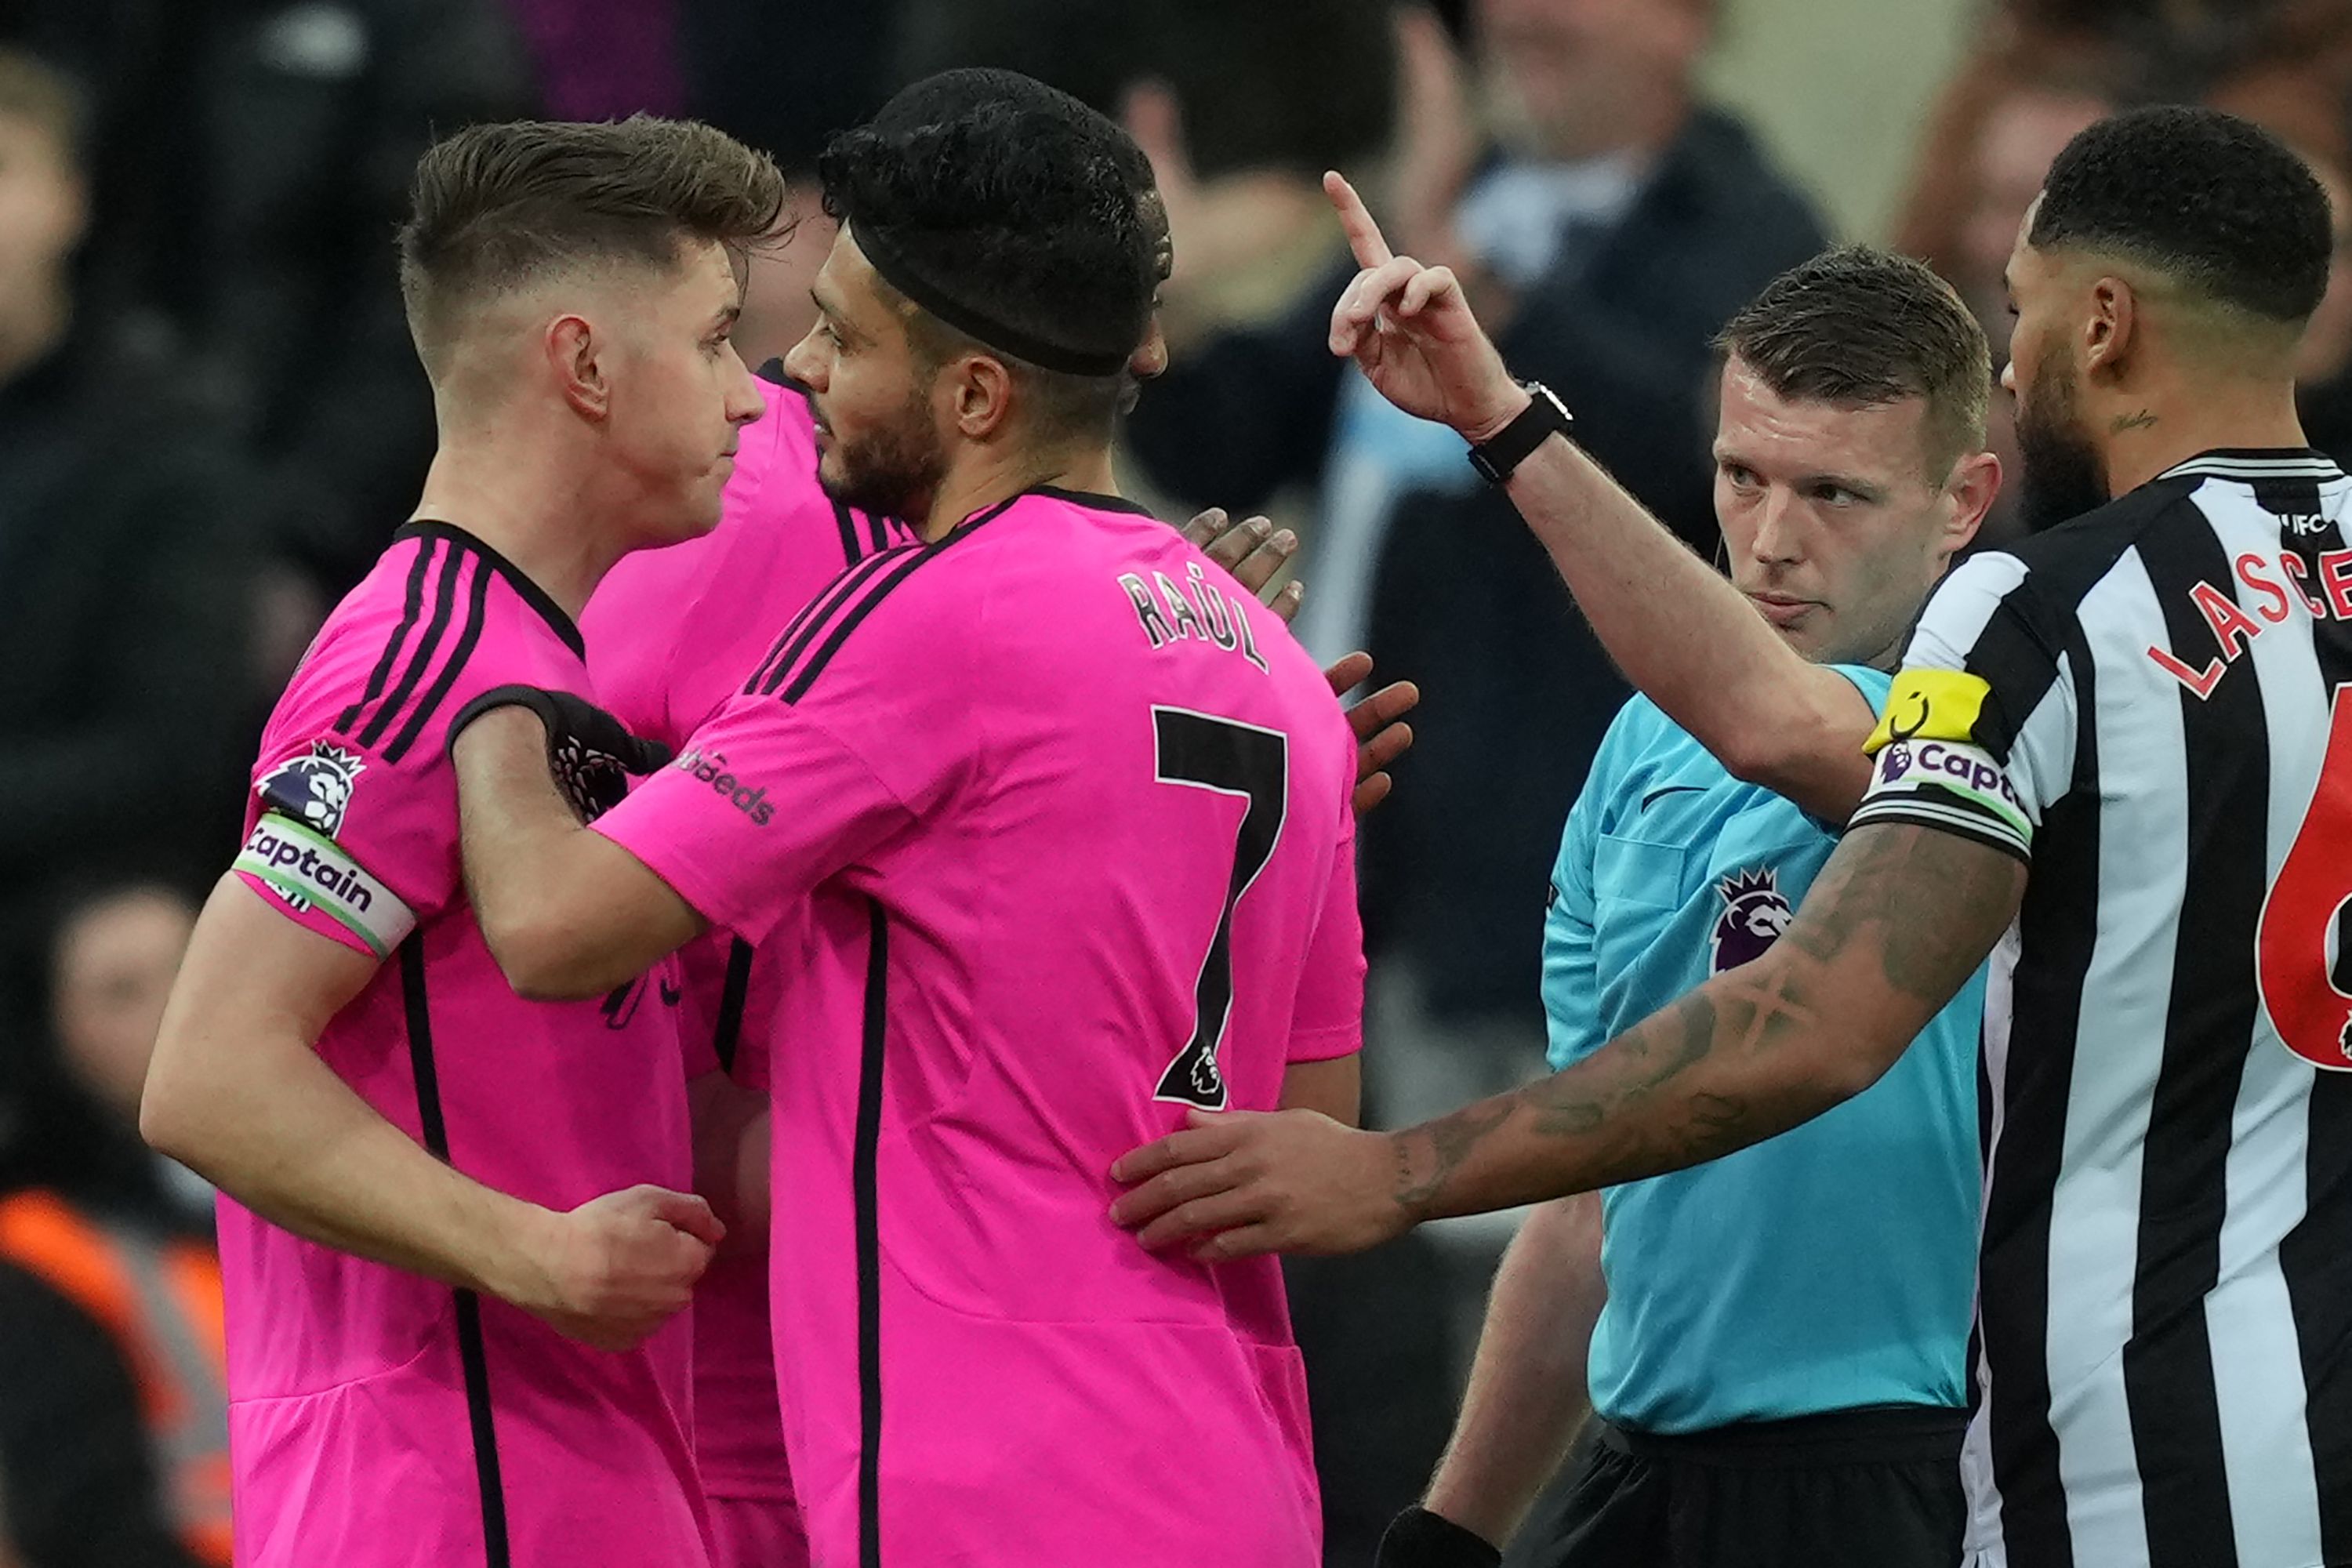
2204,197
496,207
1863,327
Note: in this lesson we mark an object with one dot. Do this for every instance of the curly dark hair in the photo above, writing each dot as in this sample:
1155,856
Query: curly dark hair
1012,214
494,205
1857,325
2202,196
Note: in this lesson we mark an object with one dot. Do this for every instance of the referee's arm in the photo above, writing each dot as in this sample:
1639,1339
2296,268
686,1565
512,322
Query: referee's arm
1898,922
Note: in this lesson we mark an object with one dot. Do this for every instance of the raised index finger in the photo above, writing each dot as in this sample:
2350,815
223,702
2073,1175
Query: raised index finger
1363,234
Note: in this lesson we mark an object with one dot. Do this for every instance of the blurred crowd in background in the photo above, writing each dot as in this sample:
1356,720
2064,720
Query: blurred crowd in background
211,420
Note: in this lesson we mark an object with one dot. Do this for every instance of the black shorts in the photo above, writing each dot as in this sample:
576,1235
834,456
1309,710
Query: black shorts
1857,1489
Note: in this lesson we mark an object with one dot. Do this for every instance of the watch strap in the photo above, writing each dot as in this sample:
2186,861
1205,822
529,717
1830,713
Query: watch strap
1544,416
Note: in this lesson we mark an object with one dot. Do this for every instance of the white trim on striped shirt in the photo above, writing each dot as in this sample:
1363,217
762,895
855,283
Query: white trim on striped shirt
2127,992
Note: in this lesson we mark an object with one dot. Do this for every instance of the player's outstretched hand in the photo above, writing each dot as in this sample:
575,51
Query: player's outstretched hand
1253,549
1411,329
1381,734
1243,1183
619,1267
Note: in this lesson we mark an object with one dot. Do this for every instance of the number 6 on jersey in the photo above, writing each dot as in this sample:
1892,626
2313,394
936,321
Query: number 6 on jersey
2304,944
1199,752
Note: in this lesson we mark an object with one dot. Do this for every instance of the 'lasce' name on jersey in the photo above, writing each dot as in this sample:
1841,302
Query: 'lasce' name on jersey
2272,578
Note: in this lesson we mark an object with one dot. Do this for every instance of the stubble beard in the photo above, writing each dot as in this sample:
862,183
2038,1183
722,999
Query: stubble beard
894,472
2064,478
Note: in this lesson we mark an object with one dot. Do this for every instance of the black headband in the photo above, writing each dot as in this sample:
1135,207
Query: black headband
894,269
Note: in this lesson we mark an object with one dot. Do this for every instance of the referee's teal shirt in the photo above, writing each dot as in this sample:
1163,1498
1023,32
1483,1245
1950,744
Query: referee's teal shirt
1828,1269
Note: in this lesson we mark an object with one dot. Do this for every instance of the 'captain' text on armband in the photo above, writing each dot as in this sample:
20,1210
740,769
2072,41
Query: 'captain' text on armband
310,871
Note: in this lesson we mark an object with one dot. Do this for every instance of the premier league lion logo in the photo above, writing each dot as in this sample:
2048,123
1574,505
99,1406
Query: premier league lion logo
1754,916
314,790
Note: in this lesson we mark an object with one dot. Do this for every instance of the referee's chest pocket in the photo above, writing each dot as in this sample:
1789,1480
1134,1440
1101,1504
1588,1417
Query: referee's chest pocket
1637,871
1637,895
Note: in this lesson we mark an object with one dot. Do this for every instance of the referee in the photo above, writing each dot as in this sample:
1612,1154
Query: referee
2121,755
1775,1342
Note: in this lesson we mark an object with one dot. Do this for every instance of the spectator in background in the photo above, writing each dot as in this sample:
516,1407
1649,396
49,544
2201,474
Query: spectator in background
1598,205
2046,68
2293,93
1617,223
113,950
1089,51
111,1299
1242,152
604,59
2323,369
1978,172
81,1479
1241,104
252,157
124,597
783,79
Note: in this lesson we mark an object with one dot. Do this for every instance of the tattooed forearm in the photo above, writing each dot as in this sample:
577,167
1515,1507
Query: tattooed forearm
1893,928
1597,1102
1449,1141
1877,885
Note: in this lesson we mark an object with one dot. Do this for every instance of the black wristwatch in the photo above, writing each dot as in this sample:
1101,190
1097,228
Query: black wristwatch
1509,447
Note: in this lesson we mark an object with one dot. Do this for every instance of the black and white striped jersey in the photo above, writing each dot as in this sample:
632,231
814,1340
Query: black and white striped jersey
2153,706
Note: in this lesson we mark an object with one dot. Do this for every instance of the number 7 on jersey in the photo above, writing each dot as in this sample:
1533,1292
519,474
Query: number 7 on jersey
1201,751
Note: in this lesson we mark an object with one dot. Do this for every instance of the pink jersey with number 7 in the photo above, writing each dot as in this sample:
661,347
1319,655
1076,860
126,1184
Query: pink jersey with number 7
1057,816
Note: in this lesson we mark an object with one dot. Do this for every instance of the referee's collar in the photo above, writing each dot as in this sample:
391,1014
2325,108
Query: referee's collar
2258,463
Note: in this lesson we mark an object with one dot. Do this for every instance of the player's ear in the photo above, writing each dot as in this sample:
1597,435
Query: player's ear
1974,484
982,391
2109,328
1151,357
575,356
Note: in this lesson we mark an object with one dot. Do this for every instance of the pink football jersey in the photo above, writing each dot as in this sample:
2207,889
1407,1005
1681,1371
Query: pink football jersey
379,1419
672,634
1056,818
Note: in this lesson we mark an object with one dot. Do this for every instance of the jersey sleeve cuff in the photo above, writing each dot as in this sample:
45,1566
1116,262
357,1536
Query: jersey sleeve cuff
1963,820
677,864
1324,1044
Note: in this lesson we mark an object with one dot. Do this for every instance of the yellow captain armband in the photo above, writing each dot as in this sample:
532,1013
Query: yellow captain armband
1934,771
1930,705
